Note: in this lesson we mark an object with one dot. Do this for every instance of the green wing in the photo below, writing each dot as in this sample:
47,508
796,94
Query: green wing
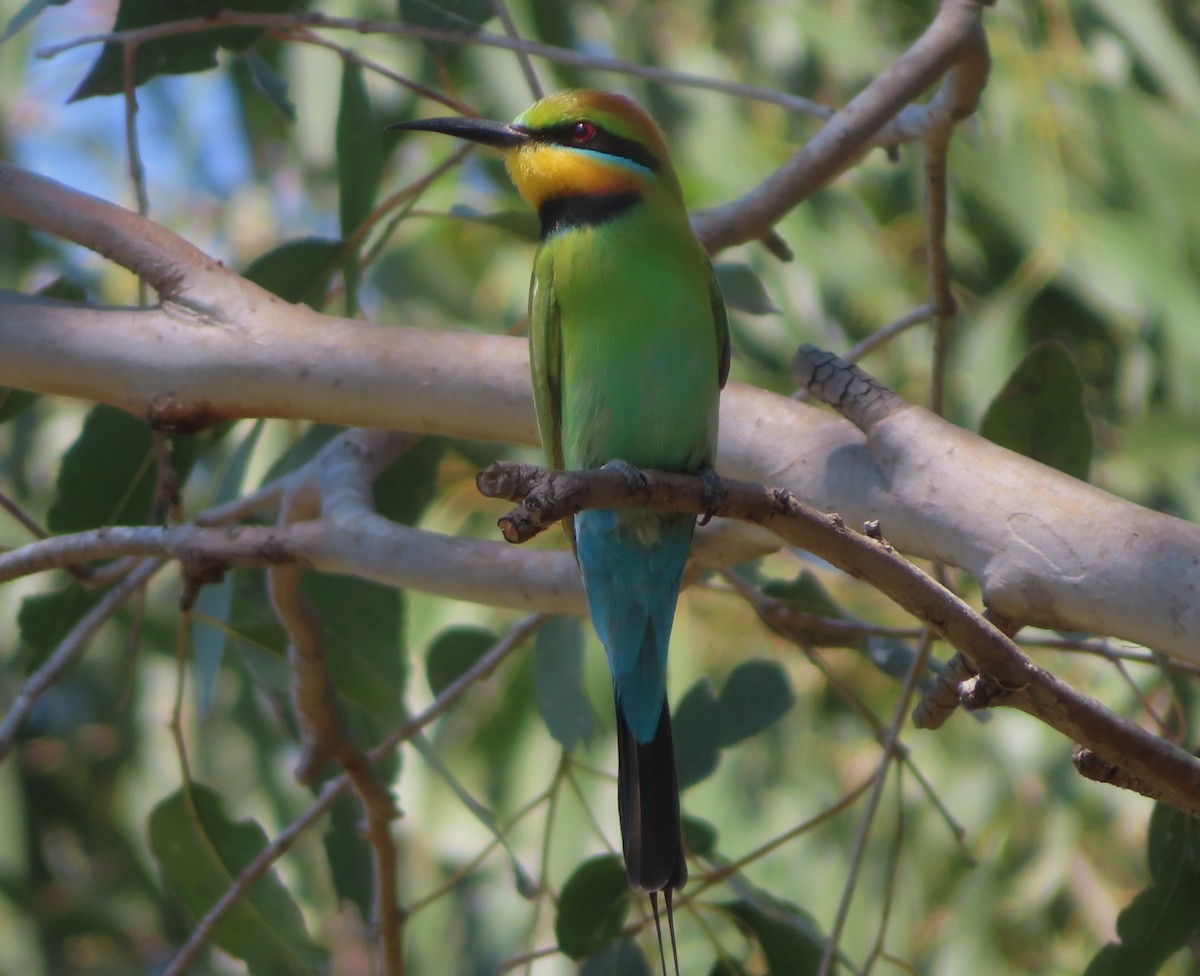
721,320
545,356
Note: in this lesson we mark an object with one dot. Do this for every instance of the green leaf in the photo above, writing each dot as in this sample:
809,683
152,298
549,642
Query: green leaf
208,639
215,601
526,887
350,864
1039,412
621,957
363,652
200,853
297,271
359,150
756,695
181,54
12,402
1162,917
303,450
726,966
271,83
743,289
697,747
447,15
64,289
107,476
558,681
520,223
790,939
699,836
46,618
405,489
592,907
806,594
26,15
453,652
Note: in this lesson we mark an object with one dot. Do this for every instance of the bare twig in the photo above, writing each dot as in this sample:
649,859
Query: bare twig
788,623
510,28
916,669
558,55
325,738
19,514
285,839
137,171
941,296
69,649
876,339
312,37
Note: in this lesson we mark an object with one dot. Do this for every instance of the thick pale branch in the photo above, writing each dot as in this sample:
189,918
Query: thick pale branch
1047,549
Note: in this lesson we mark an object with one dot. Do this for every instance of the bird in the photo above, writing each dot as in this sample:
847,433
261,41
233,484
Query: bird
629,351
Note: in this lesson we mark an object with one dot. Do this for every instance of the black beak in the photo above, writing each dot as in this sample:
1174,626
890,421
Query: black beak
499,135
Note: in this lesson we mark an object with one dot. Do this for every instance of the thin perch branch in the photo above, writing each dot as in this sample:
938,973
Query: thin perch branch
1014,680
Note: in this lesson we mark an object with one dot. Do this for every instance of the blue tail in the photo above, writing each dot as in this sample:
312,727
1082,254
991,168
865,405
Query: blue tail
632,564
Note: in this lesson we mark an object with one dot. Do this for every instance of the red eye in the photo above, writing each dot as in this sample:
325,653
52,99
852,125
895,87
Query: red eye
583,132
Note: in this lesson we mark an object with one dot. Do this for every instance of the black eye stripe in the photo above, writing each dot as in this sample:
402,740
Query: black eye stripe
602,142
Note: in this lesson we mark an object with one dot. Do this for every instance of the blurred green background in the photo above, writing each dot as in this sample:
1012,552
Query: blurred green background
1075,218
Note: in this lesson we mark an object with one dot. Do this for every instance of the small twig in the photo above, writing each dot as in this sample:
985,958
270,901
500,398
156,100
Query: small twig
286,838
137,172
722,872
497,840
19,514
916,669
889,885
560,771
782,619
349,54
324,736
919,315
876,339
510,28
558,55
941,296
69,649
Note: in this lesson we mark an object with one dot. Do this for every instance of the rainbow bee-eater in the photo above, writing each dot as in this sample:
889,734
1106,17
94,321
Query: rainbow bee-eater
629,349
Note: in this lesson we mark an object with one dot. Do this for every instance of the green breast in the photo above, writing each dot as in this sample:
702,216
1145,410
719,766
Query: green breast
640,355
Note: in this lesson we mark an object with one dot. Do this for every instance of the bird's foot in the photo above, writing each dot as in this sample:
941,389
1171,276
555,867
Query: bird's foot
633,477
714,492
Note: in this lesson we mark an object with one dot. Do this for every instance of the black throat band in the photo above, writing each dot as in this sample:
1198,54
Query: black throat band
583,210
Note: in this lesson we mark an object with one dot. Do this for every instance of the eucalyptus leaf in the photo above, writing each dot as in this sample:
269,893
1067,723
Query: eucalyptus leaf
743,289
201,852
558,681
176,55
1039,412
592,907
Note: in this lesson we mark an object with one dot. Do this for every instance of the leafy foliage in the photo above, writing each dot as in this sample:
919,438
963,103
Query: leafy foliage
1040,412
1074,240
592,907
200,852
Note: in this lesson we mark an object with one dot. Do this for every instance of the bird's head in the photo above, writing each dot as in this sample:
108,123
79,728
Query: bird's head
573,143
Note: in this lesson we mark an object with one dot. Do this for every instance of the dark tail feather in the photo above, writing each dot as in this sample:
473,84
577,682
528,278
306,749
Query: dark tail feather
662,956
648,801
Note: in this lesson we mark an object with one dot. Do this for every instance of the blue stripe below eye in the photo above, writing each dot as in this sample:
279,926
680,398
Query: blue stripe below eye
613,158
